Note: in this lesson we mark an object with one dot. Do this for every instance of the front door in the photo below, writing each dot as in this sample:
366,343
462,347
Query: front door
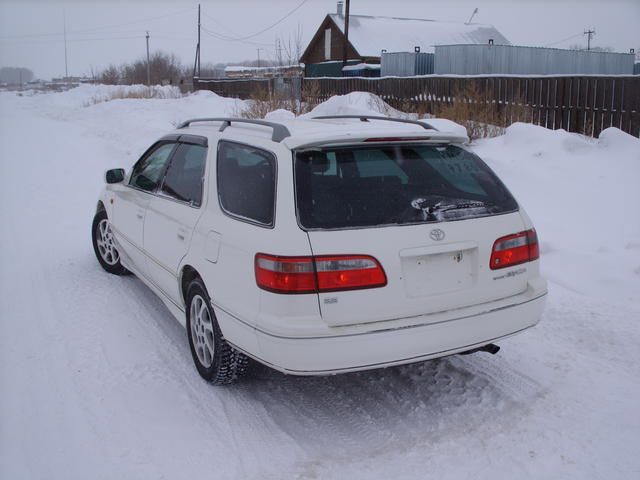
131,201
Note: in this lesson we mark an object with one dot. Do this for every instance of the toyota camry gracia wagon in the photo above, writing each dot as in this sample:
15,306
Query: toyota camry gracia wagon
324,245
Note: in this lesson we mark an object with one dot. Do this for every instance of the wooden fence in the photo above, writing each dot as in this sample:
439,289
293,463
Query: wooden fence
584,104
242,88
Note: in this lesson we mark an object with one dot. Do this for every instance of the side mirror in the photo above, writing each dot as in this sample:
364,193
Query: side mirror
115,175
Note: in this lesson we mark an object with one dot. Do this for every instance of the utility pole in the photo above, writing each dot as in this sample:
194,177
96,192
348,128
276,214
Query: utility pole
258,49
196,63
278,52
64,20
148,65
346,35
589,33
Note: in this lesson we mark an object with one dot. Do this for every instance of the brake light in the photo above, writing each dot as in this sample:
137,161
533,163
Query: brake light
515,249
321,273
397,139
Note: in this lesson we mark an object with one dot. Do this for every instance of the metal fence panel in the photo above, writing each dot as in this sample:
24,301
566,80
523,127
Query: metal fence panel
515,60
406,64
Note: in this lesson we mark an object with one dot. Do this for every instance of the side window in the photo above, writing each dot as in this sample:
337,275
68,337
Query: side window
183,180
247,182
148,171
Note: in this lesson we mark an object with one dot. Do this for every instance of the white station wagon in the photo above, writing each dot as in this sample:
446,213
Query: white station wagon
325,245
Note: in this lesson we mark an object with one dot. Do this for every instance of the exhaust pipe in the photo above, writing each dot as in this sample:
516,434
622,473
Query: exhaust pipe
491,348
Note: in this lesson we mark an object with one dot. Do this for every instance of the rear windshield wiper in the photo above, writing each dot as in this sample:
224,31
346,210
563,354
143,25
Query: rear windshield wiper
431,212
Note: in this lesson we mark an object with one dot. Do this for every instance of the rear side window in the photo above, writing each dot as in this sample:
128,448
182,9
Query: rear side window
148,171
247,182
184,177
393,185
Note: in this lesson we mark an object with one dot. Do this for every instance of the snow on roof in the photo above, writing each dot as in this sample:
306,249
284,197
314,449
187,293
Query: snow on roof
361,66
370,35
245,68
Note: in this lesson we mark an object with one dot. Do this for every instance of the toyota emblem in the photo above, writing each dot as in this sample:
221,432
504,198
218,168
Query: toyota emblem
436,234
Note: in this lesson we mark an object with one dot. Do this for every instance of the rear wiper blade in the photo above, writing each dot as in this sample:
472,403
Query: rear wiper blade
466,204
431,211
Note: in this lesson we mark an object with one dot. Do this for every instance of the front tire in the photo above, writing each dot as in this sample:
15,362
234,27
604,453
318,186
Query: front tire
216,361
104,245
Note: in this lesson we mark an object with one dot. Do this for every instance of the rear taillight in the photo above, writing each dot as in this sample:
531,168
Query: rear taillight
514,249
313,274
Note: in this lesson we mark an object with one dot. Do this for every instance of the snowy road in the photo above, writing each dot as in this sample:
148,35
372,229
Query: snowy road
96,378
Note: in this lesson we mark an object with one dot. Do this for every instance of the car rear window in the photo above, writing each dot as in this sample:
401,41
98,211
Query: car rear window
400,184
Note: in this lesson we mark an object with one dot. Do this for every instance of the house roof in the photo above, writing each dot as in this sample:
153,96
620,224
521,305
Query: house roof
370,35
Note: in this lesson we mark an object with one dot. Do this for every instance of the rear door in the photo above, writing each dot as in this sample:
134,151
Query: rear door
130,202
429,215
173,212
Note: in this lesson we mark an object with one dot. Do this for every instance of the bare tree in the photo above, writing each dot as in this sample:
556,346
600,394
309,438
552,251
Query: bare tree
292,47
577,46
110,75
164,68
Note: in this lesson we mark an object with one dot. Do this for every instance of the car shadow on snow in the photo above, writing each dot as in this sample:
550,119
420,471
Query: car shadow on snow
401,405
342,414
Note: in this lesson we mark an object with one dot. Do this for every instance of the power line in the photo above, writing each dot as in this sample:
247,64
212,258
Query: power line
81,40
219,36
564,40
270,26
92,29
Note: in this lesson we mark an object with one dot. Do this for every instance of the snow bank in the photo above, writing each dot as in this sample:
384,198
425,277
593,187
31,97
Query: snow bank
355,103
583,196
363,103
616,138
280,114
129,125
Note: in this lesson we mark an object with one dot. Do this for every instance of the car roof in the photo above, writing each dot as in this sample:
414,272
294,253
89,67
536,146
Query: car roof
305,132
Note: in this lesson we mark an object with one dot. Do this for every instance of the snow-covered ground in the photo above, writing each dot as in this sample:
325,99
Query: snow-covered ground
96,379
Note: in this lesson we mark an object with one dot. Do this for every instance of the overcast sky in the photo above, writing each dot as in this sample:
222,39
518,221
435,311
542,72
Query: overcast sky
100,33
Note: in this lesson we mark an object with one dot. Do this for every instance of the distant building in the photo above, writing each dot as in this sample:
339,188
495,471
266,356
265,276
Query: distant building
369,36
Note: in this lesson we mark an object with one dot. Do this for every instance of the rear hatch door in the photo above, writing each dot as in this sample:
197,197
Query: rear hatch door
429,215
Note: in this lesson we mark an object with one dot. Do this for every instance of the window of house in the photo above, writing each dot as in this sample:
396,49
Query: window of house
184,178
147,172
247,182
327,44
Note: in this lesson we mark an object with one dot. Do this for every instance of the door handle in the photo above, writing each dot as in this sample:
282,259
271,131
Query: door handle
182,233
139,215
181,236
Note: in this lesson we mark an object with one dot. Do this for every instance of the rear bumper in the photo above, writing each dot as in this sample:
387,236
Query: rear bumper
451,333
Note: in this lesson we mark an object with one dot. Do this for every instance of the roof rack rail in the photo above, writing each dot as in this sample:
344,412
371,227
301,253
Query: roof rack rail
366,118
280,132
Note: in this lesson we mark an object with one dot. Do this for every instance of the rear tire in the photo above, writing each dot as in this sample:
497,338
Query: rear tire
216,361
104,245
